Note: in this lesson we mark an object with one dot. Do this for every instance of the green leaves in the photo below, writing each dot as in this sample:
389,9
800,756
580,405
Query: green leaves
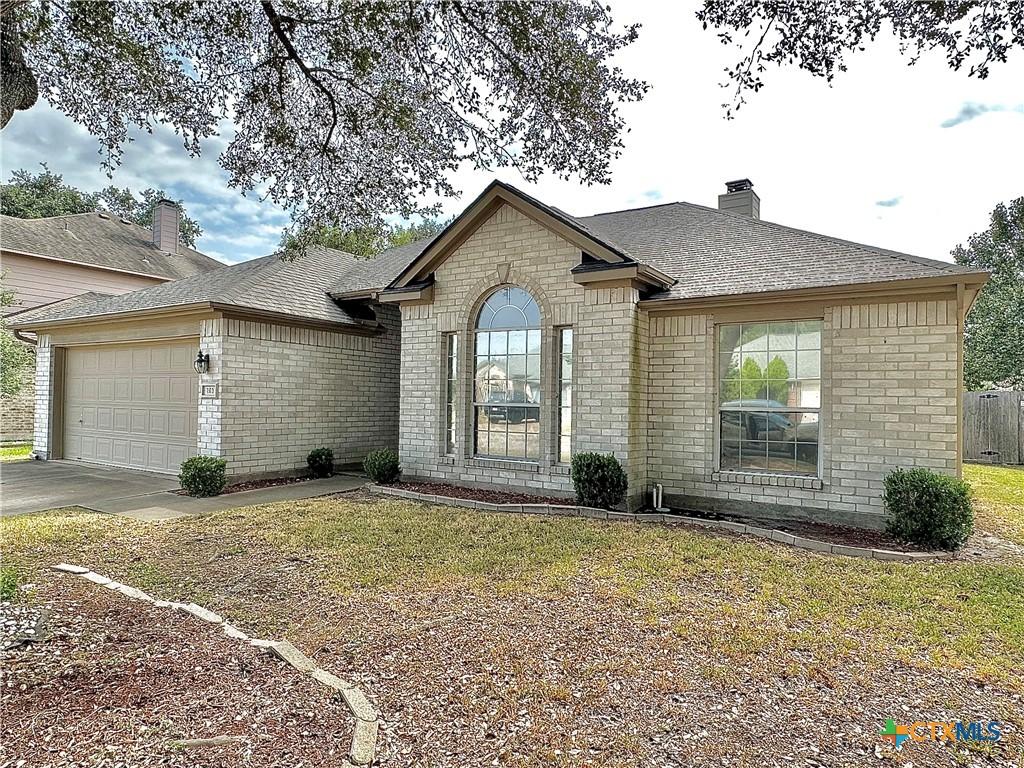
927,508
343,114
44,194
994,331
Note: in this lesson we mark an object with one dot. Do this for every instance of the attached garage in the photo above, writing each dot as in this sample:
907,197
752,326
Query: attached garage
131,405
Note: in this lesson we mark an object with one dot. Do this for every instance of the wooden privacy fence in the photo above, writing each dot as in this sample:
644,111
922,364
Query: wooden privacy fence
994,427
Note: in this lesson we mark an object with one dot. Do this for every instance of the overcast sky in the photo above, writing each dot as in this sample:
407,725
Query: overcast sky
907,158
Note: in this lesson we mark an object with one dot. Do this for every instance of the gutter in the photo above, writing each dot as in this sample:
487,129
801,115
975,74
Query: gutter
845,291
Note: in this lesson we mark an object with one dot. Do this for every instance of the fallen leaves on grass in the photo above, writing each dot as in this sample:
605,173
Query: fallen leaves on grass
119,682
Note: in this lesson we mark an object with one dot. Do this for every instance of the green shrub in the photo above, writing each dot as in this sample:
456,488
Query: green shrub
321,462
8,583
382,466
203,475
928,509
599,480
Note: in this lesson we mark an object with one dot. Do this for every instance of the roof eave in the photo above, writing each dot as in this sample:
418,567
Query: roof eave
820,293
494,195
89,265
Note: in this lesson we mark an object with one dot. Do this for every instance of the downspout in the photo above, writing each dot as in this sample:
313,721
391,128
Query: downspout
961,317
25,339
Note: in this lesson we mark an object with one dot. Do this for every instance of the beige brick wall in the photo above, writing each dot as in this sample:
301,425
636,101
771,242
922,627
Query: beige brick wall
282,391
43,391
889,389
512,249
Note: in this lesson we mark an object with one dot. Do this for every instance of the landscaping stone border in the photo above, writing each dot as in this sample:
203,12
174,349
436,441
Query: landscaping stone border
364,737
669,518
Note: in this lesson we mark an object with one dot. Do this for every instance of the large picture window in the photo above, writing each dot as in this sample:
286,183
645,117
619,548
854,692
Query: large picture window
506,387
769,402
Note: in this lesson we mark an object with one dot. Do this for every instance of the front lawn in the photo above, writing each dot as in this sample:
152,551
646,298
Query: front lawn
514,640
15,452
999,499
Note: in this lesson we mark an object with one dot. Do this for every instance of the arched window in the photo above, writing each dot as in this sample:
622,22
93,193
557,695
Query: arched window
506,387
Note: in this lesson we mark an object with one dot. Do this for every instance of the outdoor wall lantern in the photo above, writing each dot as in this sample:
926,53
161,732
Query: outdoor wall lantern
202,363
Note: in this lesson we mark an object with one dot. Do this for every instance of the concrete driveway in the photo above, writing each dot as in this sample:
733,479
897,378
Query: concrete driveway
32,486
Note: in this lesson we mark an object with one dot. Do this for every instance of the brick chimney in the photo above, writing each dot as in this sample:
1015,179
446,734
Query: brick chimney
740,197
166,223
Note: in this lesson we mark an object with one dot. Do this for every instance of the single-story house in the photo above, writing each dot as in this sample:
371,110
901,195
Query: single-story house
57,257
742,364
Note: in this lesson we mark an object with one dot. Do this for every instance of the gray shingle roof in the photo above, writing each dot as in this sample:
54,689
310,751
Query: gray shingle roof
378,272
708,252
102,241
715,253
268,284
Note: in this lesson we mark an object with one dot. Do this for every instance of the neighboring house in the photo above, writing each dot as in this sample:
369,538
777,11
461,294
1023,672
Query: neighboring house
46,260
739,363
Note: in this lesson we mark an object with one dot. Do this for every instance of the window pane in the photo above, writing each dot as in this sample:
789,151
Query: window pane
753,337
754,454
808,364
808,334
781,457
807,458
730,454
781,365
565,396
808,394
498,444
517,343
781,336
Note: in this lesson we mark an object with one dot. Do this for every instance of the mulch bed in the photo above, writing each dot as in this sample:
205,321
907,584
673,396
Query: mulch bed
833,534
837,534
252,485
480,494
117,682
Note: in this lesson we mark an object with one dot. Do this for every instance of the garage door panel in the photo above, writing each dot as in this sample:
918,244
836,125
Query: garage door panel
122,420
105,419
180,390
159,389
140,390
157,422
132,405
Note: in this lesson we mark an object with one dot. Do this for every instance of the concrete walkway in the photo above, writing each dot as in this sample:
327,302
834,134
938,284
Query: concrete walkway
34,486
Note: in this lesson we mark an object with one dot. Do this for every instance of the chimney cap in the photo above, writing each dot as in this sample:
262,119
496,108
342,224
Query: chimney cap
739,185
164,200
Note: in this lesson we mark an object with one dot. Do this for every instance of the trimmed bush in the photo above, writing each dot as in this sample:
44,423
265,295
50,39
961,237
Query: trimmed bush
382,466
599,480
321,462
203,475
928,509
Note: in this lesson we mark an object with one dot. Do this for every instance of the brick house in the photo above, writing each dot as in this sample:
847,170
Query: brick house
742,364
54,258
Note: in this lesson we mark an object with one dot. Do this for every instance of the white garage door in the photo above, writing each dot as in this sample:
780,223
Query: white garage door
132,405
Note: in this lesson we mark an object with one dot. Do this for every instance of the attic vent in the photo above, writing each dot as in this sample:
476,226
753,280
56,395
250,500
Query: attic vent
125,221
103,216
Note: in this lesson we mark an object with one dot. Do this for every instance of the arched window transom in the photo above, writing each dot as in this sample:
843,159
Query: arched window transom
506,387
